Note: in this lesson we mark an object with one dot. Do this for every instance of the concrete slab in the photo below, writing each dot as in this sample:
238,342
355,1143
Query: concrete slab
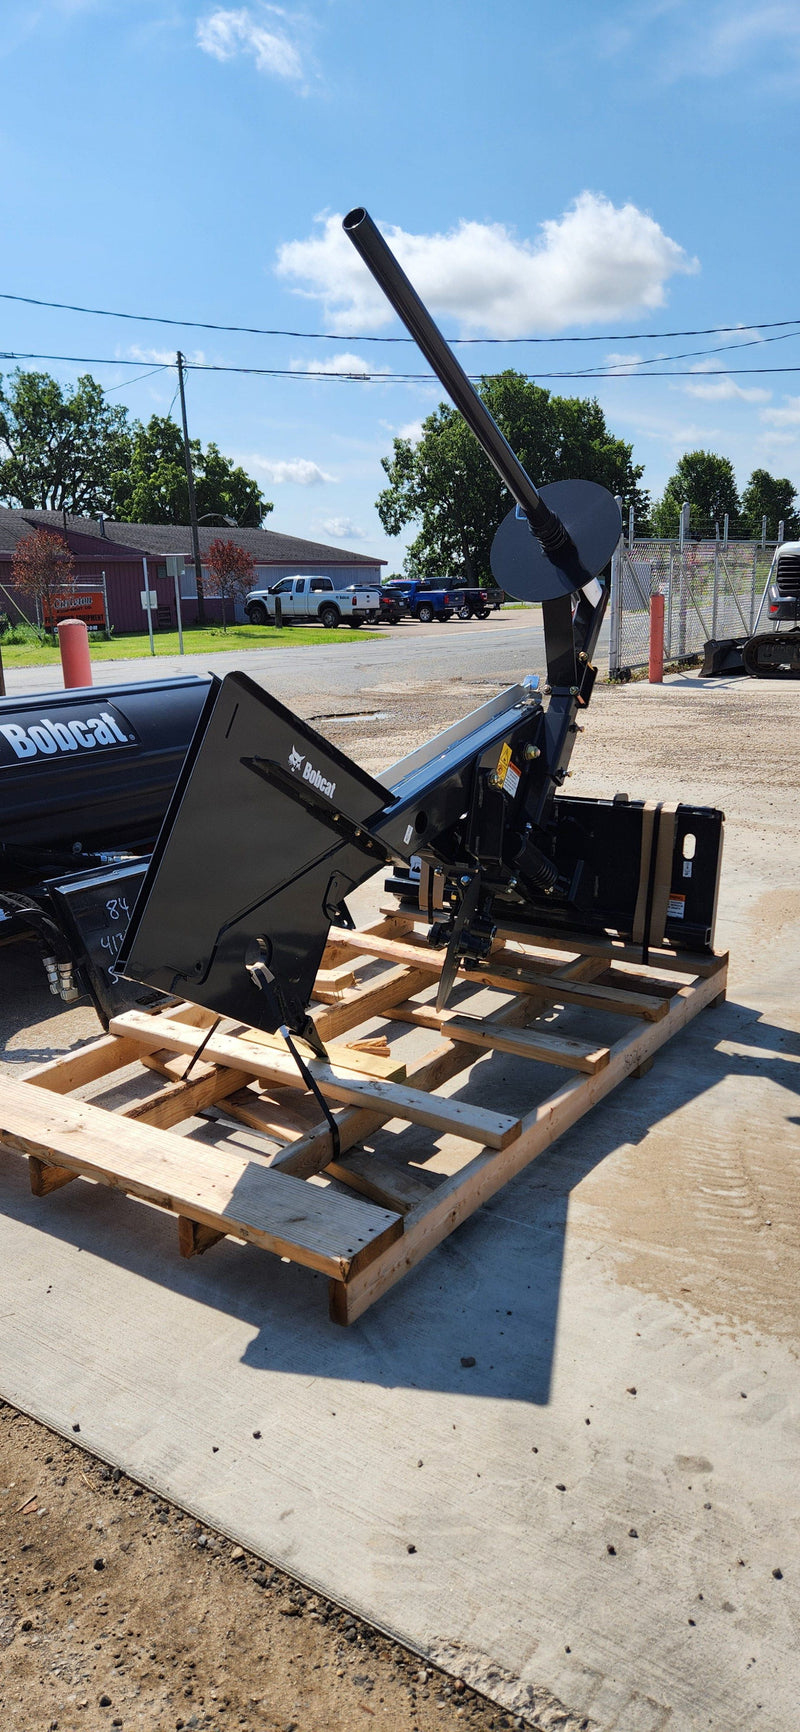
596,1523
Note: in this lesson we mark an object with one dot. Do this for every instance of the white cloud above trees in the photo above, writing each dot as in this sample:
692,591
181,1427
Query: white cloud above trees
298,471
597,262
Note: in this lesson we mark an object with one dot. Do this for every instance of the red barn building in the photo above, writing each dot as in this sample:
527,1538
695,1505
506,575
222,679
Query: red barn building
120,552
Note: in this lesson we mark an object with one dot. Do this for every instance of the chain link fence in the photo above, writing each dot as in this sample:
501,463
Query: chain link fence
711,590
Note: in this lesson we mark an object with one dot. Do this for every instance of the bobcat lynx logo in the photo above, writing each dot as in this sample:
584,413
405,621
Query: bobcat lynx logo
315,777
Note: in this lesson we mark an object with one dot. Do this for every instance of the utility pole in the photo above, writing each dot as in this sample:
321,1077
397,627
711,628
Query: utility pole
187,455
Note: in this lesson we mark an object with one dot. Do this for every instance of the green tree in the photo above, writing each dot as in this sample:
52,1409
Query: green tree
447,485
772,497
151,487
709,484
59,446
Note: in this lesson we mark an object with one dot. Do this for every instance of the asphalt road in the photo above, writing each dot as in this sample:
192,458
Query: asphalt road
495,651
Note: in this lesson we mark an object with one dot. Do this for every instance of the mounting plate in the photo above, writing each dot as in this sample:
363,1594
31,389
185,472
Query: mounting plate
519,562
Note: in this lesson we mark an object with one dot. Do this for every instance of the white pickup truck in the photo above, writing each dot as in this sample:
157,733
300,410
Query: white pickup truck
313,598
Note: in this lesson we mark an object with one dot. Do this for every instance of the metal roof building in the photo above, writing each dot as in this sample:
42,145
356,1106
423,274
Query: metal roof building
119,550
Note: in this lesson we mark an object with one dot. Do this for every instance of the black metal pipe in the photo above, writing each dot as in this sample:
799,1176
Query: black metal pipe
380,260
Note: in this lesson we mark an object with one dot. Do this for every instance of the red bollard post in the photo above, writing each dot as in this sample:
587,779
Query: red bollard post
656,664
73,642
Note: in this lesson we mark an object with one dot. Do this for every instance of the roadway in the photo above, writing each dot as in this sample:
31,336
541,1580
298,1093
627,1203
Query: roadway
495,651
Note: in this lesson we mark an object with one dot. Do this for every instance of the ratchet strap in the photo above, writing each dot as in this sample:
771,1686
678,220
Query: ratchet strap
659,820
311,1084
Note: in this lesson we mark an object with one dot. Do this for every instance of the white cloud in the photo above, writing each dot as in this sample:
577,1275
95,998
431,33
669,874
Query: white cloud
300,471
342,529
161,357
411,430
788,416
725,390
226,34
354,366
683,40
596,262
623,363
734,35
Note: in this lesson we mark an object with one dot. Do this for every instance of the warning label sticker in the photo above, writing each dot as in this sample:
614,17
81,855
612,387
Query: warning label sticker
511,780
503,761
676,907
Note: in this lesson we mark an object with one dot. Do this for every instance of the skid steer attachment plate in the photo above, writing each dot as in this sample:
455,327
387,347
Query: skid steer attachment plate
262,842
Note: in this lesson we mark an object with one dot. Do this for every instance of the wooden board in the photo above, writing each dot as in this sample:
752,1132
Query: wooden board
368,1217
220,1189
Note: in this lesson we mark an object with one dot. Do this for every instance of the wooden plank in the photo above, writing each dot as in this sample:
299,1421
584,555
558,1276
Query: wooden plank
312,1153
524,1042
45,1177
458,1197
362,1003
181,1100
350,1058
514,971
281,1120
332,982
100,1057
395,1099
692,962
594,997
193,1239
221,1188
384,1181
336,952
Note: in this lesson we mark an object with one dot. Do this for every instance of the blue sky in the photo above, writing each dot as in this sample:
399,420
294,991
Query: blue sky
549,170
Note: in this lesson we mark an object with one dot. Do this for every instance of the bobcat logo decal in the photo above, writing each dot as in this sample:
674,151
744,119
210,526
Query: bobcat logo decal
295,759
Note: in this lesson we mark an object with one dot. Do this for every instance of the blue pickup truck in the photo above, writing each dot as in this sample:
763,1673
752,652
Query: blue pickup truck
428,600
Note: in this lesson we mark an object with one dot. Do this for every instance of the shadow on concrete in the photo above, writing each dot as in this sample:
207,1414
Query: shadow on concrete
491,1292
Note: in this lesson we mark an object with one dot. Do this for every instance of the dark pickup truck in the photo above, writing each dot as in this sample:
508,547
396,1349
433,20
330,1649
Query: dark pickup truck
428,600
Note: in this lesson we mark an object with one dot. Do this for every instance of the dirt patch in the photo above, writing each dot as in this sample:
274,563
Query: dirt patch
117,1610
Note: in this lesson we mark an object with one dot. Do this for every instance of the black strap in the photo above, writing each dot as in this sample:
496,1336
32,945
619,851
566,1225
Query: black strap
202,1047
312,1084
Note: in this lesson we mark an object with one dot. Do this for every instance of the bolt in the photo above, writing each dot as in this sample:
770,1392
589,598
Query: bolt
573,691
465,880
530,753
494,780
547,691
512,883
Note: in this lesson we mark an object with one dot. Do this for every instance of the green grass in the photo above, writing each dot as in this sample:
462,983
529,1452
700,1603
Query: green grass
196,641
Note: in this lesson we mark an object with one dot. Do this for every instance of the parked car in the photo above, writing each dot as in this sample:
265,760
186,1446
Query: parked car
314,598
428,599
476,602
425,601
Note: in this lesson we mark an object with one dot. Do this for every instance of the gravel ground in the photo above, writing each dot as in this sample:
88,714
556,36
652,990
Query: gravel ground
115,1610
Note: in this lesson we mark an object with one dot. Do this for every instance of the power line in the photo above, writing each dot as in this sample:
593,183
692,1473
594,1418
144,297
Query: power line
334,337
107,390
631,372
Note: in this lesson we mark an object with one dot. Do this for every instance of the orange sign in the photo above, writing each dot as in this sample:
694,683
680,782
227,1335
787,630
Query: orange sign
85,604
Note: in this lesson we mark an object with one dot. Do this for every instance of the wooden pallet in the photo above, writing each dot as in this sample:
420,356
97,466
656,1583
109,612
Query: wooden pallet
362,1218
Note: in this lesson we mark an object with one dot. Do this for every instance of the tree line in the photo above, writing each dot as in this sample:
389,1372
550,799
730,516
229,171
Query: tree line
69,449
444,484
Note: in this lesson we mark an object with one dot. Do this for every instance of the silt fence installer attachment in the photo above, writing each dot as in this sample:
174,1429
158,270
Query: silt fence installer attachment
656,659
73,643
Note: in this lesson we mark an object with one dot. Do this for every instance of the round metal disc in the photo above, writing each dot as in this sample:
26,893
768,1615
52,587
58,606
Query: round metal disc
519,562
